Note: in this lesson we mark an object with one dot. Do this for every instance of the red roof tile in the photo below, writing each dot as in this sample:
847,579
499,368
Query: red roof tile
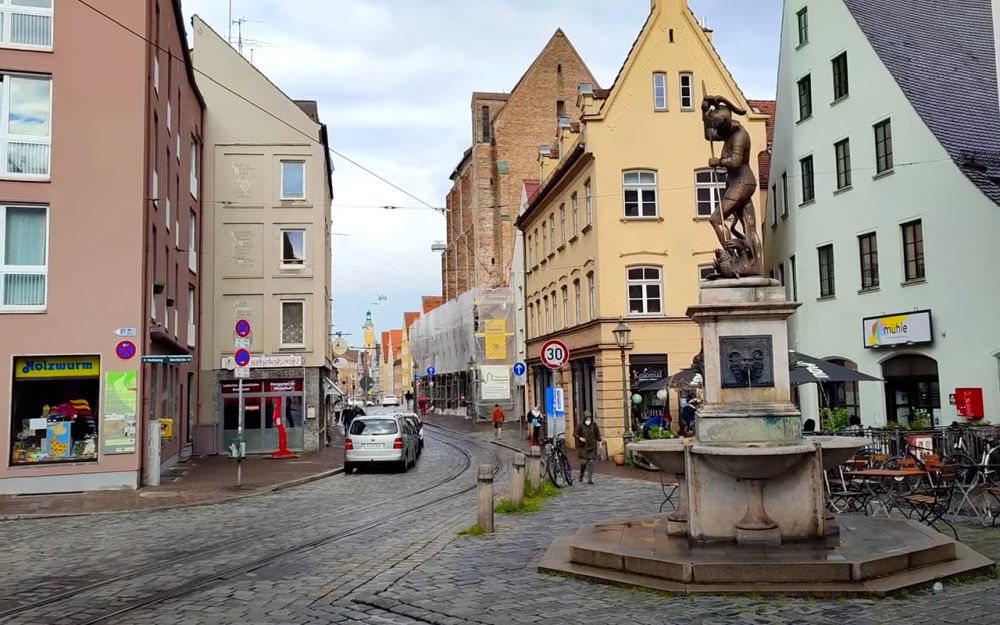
531,188
765,107
430,302
409,318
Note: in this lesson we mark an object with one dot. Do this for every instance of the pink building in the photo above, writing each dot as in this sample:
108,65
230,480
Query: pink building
99,231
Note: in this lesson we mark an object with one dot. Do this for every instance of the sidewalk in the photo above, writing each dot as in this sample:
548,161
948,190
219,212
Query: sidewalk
515,436
200,480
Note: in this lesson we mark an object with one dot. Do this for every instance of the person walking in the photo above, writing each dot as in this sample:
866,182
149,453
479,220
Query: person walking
589,435
497,421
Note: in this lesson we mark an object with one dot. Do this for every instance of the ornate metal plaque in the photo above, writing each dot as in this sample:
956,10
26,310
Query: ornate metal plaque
746,361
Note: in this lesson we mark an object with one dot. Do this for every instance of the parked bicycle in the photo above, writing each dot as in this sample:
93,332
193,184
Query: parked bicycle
555,462
986,471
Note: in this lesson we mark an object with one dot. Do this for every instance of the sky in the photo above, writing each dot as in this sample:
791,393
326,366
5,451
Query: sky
394,78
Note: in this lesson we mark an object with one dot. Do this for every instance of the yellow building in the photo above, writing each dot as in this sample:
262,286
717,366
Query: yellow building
619,225
406,356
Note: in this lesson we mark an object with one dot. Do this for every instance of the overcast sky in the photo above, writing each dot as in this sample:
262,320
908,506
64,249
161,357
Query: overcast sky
393,79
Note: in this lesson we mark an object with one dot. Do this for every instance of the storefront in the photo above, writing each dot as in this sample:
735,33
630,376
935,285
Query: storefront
55,408
647,377
261,398
912,387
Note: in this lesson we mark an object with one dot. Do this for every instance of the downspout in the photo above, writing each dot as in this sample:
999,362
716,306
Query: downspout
140,430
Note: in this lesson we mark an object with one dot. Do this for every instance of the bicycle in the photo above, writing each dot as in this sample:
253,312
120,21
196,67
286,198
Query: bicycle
556,464
986,471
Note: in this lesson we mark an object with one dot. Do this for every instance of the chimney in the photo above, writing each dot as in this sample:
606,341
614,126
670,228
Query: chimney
585,98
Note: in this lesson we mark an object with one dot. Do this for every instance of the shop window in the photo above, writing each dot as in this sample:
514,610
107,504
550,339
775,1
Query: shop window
292,326
24,257
54,411
27,129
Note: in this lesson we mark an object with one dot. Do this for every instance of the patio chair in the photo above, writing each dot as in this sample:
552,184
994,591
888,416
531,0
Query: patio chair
846,497
669,490
933,503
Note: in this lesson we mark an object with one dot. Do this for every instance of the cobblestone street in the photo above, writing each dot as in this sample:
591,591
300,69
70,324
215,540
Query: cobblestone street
378,547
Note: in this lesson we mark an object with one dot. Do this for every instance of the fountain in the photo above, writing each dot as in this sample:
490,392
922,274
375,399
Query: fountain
752,514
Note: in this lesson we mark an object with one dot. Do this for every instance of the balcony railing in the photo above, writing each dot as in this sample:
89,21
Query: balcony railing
22,288
30,158
28,27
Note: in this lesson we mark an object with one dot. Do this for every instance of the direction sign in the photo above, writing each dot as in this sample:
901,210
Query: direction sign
242,328
241,342
241,372
431,370
241,358
125,350
127,332
163,359
520,369
554,353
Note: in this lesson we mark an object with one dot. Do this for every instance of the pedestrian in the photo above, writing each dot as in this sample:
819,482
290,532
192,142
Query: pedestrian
535,422
588,436
409,399
497,421
688,411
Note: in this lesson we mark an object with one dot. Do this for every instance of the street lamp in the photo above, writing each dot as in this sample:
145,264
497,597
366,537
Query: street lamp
622,334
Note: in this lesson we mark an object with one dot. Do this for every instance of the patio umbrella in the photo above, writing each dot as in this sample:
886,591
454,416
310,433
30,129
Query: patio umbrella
807,370
686,379
652,385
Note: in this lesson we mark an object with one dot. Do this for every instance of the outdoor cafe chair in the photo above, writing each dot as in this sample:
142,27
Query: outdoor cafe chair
931,504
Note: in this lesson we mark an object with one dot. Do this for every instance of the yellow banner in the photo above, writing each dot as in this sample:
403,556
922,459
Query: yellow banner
57,367
166,428
496,339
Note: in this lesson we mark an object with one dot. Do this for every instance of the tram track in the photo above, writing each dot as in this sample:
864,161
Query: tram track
260,562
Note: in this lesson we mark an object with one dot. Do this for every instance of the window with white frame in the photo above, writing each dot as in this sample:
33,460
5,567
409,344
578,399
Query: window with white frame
169,115
710,186
194,168
537,255
659,91
24,267
578,303
531,320
639,188
645,291
575,202
192,326
26,125
26,24
565,306
562,222
293,180
177,139
193,242
545,240
588,202
591,297
293,324
555,311
704,271
293,247
167,204
552,234
687,91
539,324
545,318
156,72
528,251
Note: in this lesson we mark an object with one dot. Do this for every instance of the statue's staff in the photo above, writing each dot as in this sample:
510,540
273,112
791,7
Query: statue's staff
711,144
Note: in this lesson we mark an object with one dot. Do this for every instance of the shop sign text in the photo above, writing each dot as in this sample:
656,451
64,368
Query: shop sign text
57,367
899,329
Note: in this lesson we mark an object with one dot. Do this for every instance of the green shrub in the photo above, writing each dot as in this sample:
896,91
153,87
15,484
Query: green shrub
472,530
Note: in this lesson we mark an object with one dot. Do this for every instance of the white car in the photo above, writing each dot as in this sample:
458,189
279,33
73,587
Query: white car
415,421
380,439
390,400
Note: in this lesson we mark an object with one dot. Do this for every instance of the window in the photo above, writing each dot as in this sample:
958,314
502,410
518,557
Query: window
555,311
774,204
293,247
565,306
177,137
538,256
545,240
842,150
575,203
659,91
805,98
591,297
167,204
644,291
26,23
552,235
868,248
781,273
169,115
578,301
192,327
539,322
24,267
826,282
193,242
784,194
25,130
795,279
562,222
808,180
640,193
913,250
292,326
194,168
803,20
704,271
687,91
560,109
840,86
531,320
588,204
156,71
709,187
883,146
545,319
484,123
293,180
528,252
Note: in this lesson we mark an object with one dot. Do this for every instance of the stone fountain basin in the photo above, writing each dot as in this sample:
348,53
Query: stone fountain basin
666,455
753,462
839,449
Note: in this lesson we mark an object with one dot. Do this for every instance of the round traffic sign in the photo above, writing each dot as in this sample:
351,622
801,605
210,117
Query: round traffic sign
340,346
431,370
242,328
519,369
241,357
554,353
125,350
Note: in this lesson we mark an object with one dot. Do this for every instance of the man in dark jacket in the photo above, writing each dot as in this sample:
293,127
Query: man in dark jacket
588,436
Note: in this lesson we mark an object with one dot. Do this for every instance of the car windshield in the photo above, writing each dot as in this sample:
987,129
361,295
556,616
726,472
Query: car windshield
374,427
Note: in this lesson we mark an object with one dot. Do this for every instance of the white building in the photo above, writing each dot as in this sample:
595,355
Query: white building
884,215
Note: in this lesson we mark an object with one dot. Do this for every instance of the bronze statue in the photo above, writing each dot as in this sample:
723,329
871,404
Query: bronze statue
742,252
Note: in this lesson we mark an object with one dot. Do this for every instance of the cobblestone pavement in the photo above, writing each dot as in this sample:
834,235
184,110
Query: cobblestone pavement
397,561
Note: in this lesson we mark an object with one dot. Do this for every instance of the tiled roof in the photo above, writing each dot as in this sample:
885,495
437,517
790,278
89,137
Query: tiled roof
409,318
397,338
310,108
765,107
430,302
385,346
531,188
942,55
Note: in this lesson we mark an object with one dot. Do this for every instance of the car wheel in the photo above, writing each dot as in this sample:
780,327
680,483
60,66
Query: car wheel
348,468
403,465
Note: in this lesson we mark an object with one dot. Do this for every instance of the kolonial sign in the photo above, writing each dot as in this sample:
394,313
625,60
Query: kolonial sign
899,329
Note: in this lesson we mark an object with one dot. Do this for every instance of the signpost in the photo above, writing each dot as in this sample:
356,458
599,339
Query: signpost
241,357
520,373
164,359
431,370
554,354
125,350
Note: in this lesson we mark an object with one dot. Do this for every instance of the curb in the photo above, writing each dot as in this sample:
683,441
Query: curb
499,443
264,490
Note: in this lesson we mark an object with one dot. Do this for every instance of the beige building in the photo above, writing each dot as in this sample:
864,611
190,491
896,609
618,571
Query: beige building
267,254
618,228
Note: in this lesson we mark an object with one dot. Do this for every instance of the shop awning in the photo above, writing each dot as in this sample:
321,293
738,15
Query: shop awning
330,388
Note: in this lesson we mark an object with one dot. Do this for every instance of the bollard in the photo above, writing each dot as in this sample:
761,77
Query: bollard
517,481
485,498
535,468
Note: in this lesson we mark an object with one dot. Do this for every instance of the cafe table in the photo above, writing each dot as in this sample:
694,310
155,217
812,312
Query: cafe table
892,481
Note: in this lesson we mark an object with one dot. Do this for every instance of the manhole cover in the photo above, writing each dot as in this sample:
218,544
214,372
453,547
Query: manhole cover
159,494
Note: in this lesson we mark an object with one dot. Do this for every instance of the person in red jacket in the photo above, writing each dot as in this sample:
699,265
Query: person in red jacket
497,420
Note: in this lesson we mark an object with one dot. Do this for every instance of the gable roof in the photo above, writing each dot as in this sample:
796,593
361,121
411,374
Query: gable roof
430,302
385,346
942,55
397,338
531,188
408,319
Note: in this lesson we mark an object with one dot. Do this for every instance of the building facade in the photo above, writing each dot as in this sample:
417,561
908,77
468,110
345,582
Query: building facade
617,229
887,222
79,399
266,256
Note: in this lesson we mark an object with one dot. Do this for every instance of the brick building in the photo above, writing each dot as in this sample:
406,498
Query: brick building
507,130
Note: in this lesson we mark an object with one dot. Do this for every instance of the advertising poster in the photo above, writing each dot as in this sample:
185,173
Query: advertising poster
119,411
495,382
496,339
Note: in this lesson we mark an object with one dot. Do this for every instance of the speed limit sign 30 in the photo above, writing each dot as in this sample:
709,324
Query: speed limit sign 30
554,354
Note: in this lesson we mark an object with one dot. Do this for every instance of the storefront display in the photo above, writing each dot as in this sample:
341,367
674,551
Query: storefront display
54,408
259,430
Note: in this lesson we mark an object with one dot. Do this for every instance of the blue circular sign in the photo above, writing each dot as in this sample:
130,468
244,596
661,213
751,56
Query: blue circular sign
125,350
431,370
242,357
242,328
519,369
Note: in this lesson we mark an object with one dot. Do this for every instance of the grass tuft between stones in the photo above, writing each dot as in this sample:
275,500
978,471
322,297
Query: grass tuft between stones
532,499
472,530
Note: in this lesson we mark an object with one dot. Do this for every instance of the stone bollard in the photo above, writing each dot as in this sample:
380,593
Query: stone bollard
517,481
535,468
485,498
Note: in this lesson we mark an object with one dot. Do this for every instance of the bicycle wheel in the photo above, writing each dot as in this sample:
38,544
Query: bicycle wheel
553,470
968,472
567,470
992,469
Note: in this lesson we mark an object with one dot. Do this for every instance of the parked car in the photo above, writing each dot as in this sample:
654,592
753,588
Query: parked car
381,439
390,400
414,420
